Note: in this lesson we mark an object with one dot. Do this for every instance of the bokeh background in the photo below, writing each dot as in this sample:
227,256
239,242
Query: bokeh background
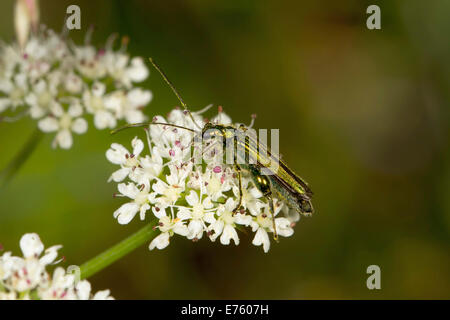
363,117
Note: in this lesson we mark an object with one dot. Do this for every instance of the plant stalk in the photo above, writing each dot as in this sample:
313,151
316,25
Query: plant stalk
21,157
121,249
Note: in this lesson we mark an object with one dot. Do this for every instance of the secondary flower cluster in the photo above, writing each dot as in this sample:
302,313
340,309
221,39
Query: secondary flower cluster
57,83
190,199
26,278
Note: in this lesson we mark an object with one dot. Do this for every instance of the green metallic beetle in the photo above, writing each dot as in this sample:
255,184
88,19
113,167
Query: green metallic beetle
280,181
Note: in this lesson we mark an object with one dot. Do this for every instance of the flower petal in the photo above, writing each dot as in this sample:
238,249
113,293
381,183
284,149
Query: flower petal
137,145
119,175
83,290
283,226
64,139
126,212
104,119
130,190
138,97
262,238
134,116
229,233
50,255
75,110
79,126
160,241
143,210
116,154
102,295
137,71
31,245
192,199
48,124
181,229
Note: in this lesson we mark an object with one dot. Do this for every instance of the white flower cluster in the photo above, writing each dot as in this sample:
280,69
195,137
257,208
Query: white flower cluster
57,83
26,278
190,199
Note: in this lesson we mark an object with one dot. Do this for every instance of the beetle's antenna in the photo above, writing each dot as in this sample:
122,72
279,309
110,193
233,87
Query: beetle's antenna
168,82
163,75
144,124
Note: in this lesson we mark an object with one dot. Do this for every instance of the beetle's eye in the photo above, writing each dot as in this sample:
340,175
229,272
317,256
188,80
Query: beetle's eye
306,206
208,134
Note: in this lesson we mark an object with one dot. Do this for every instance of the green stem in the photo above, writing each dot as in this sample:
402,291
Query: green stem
21,157
116,252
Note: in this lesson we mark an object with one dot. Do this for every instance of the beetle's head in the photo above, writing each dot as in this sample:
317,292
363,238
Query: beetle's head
211,131
305,206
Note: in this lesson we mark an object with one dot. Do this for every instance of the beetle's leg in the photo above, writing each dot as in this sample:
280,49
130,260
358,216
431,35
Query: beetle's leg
263,185
239,173
272,212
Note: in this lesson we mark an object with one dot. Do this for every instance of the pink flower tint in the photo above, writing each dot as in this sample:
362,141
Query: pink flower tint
217,169
171,152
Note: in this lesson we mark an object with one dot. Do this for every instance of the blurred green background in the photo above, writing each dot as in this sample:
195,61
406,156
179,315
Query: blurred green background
363,117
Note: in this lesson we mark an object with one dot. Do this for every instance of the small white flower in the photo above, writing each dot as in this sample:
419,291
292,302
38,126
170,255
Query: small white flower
73,83
284,227
129,105
160,242
125,71
172,143
128,161
31,245
102,295
168,193
140,203
137,71
200,212
263,224
221,118
15,90
226,222
89,62
27,278
116,64
168,227
42,99
84,292
150,168
261,238
57,288
252,198
64,123
94,103
179,117
218,181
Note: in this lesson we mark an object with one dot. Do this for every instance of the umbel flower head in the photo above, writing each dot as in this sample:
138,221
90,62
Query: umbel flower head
26,277
189,199
58,83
